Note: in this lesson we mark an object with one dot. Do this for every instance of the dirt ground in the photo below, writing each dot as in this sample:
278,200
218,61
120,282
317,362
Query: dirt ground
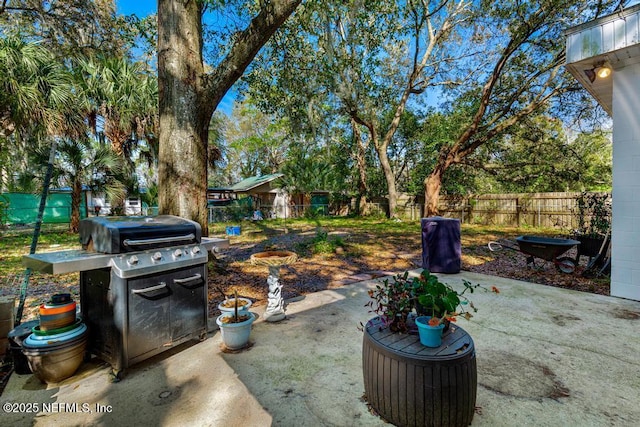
365,256
360,255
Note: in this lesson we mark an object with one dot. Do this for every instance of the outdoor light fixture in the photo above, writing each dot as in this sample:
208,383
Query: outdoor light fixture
604,70
601,70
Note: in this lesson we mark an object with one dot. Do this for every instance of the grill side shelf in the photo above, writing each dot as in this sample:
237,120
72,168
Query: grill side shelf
214,243
70,261
62,262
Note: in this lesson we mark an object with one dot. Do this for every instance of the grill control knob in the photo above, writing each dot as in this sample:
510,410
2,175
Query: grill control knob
157,256
177,253
195,250
133,260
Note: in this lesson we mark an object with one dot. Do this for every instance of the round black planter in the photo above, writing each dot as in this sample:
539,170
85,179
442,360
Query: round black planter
409,384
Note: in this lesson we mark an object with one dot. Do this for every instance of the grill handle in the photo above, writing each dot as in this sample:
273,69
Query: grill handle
189,237
162,285
193,278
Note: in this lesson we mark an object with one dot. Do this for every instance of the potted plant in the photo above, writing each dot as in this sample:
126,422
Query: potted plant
400,300
430,331
229,304
393,301
235,326
594,222
438,374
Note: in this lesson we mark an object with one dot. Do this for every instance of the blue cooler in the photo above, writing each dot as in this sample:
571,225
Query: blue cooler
233,230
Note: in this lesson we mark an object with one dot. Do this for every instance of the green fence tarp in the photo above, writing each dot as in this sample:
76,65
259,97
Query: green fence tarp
22,208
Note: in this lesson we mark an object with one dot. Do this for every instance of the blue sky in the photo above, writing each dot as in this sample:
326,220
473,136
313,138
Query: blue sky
138,7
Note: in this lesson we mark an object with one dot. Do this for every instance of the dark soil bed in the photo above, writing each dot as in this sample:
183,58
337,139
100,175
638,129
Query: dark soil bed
365,256
358,255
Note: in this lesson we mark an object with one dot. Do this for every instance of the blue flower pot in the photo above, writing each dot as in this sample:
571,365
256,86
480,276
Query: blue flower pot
430,336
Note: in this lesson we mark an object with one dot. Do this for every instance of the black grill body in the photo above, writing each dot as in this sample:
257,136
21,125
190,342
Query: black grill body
143,284
116,235
147,301
132,319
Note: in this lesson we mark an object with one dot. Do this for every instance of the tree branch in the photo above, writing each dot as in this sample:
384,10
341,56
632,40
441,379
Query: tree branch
245,47
460,148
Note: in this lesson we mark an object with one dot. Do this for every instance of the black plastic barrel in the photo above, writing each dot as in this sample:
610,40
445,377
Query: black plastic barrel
409,384
441,247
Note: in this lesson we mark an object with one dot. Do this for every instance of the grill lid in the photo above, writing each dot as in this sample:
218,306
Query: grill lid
114,235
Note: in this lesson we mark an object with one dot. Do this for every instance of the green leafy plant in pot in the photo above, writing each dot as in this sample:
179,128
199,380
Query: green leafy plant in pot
393,300
440,301
387,357
400,299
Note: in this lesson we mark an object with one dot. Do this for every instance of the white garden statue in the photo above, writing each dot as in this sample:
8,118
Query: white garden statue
274,259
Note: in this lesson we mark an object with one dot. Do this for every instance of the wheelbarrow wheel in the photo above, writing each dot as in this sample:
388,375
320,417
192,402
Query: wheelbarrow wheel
566,265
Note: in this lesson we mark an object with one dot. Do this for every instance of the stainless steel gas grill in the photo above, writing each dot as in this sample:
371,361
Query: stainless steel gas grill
145,289
114,235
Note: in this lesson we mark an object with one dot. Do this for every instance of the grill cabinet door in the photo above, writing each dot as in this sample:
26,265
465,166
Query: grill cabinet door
149,316
188,303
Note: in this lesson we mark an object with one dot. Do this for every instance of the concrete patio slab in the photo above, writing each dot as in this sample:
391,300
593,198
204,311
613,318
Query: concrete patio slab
546,357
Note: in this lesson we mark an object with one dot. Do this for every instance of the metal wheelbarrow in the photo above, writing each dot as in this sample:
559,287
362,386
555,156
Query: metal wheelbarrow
546,248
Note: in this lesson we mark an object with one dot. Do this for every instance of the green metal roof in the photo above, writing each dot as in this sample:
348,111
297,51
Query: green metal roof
254,181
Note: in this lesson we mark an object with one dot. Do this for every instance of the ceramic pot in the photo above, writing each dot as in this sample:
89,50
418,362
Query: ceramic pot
56,316
430,336
424,311
228,305
235,335
53,358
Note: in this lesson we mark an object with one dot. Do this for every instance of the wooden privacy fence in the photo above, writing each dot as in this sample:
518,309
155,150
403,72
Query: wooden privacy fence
556,210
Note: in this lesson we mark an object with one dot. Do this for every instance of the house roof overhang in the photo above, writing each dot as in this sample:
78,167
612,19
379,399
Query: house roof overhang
614,39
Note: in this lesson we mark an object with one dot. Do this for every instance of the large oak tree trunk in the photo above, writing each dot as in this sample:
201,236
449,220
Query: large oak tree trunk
381,145
361,202
188,97
182,168
389,177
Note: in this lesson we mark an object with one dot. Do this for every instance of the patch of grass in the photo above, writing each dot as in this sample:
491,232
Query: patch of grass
16,242
321,243
323,247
